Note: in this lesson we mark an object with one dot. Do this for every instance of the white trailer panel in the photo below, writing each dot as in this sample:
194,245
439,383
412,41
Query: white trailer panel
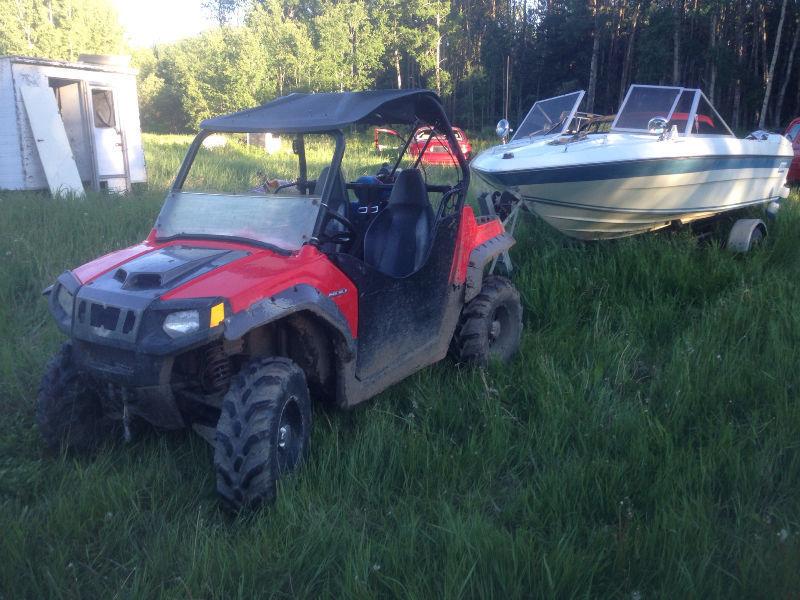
51,141
98,106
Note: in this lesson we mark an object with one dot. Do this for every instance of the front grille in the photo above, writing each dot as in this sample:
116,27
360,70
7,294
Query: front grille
107,321
130,321
106,317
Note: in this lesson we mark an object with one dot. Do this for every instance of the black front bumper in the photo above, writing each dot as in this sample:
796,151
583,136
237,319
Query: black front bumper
122,367
131,383
118,339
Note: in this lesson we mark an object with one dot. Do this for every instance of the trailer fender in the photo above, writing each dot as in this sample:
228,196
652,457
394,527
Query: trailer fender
744,234
480,256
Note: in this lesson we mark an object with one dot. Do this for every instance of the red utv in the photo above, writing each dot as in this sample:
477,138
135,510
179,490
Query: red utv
793,133
240,309
434,147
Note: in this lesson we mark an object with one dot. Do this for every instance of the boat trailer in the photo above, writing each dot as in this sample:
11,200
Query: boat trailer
743,235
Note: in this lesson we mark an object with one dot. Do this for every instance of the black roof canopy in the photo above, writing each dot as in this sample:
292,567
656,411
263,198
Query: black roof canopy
314,113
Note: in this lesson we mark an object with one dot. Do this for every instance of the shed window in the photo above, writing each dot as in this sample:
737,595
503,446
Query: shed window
103,106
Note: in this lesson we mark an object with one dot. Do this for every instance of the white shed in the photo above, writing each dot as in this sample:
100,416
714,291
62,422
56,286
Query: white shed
67,126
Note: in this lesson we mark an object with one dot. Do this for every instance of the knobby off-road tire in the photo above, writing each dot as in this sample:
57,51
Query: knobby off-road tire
69,409
490,326
263,431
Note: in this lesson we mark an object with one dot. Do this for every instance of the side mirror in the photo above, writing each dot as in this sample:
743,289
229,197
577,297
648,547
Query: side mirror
657,125
503,129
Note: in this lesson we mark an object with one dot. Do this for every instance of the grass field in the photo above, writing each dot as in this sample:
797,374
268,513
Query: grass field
645,443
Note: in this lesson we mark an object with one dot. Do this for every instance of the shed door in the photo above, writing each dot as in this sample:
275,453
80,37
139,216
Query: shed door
51,140
112,171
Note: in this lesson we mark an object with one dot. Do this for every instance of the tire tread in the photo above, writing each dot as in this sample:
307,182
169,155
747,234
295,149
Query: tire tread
244,454
470,342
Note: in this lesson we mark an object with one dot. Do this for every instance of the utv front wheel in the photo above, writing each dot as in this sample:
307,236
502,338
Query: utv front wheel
262,432
491,324
69,410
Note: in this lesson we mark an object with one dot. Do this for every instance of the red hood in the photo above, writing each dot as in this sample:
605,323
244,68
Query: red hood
259,274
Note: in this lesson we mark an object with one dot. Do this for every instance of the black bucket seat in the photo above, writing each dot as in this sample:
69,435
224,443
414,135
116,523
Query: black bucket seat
398,240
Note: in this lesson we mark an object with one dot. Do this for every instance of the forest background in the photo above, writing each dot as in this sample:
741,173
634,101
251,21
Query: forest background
742,53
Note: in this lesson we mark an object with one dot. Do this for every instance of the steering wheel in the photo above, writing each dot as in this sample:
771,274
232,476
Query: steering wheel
340,237
284,186
384,174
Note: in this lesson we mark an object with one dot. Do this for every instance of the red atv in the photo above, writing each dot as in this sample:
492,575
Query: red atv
240,309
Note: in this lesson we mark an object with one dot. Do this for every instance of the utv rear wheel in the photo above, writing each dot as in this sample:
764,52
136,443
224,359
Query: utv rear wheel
263,431
69,410
490,327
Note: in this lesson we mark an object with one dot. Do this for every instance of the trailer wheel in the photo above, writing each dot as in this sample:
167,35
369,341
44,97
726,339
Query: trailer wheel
490,326
69,411
745,235
263,431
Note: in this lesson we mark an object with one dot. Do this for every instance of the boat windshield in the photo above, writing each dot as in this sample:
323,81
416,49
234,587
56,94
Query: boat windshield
549,117
687,109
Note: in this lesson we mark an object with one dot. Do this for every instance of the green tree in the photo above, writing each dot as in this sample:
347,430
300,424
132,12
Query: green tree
60,29
285,49
160,106
217,72
348,50
430,18
222,11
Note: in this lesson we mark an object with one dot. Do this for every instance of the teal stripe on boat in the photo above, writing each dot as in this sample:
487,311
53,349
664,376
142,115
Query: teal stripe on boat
633,168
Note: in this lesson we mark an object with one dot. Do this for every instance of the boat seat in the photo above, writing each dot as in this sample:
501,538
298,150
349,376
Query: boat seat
398,240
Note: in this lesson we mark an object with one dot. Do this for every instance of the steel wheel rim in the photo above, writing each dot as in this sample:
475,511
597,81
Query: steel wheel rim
498,326
290,435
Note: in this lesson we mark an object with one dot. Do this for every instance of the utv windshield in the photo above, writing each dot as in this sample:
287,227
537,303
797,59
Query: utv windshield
284,222
549,117
259,188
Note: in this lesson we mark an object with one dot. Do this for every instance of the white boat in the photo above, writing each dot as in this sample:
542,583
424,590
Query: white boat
666,158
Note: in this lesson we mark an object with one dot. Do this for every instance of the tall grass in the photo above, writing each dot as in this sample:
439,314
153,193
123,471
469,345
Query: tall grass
237,167
643,444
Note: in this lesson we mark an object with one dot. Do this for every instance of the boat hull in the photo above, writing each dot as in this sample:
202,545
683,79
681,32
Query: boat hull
612,199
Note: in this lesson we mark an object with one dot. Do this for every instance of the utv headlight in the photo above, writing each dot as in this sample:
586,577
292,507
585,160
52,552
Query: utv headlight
181,323
65,300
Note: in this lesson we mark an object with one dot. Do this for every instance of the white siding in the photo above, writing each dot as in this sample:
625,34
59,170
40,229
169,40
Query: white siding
33,177
11,177
129,115
20,166
51,139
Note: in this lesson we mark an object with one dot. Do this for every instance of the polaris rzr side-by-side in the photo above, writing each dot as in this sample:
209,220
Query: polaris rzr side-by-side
240,309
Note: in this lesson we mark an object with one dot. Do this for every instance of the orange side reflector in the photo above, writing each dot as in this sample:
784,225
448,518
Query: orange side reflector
217,314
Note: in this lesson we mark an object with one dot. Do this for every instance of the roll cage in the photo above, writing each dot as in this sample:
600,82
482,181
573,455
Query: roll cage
418,108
